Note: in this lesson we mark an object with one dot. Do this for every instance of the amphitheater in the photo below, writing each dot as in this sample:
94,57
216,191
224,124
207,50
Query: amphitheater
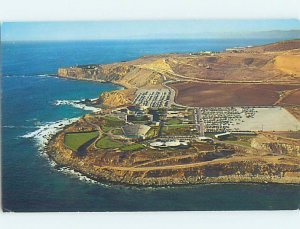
135,130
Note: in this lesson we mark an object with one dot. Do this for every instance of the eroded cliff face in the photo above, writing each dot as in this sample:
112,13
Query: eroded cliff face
128,75
117,98
112,170
95,72
169,167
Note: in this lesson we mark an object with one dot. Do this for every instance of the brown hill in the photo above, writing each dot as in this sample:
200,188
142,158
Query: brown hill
276,63
279,46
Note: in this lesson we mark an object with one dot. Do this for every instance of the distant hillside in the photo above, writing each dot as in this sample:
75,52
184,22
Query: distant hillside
277,63
279,46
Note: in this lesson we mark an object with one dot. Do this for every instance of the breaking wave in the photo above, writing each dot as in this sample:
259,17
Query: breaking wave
44,132
29,76
42,136
77,104
71,172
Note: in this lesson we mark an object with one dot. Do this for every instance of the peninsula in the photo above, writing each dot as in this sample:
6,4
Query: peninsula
205,117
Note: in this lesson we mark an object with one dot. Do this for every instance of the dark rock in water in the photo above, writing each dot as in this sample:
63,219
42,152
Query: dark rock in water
58,167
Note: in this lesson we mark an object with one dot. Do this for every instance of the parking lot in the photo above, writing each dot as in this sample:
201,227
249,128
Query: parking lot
155,98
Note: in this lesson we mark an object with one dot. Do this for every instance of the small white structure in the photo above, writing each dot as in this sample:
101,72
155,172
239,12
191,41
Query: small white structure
166,144
222,135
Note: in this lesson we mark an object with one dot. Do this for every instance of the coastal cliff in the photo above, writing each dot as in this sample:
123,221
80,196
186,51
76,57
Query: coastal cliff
117,158
117,98
111,168
202,163
128,75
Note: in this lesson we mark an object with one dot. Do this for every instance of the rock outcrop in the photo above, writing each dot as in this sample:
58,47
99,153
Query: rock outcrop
127,74
147,167
117,98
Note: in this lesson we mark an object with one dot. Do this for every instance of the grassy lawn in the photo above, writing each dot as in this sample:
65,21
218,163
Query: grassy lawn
110,122
177,108
132,147
153,132
178,130
75,140
117,131
173,121
212,135
107,143
240,140
241,143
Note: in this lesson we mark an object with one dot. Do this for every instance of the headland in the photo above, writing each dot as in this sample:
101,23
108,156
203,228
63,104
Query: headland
206,117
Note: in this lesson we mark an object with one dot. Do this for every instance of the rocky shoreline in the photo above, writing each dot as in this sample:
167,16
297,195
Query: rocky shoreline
65,157
107,178
266,161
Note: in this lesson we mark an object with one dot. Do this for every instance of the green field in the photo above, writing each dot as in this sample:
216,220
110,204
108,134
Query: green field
211,135
178,130
75,140
132,147
173,121
107,143
177,108
153,132
240,140
110,122
117,131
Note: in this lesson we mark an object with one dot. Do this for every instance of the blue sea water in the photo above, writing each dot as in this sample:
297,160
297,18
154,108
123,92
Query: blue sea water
29,104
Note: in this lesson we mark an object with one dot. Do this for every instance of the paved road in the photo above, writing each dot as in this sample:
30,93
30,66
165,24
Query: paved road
172,96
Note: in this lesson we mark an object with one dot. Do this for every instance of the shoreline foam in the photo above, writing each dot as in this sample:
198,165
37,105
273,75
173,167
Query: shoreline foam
77,104
43,135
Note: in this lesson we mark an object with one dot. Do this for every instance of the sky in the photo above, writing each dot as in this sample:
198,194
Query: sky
94,10
141,29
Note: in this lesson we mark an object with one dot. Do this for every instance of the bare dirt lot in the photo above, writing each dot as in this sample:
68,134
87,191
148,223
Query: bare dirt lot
215,94
268,119
292,99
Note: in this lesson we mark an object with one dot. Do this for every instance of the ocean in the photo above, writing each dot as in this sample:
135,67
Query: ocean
35,104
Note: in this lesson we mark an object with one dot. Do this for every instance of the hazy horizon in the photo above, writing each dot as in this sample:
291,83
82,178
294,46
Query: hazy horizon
150,29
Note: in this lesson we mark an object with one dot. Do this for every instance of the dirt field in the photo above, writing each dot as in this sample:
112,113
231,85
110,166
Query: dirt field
288,63
214,94
295,111
292,99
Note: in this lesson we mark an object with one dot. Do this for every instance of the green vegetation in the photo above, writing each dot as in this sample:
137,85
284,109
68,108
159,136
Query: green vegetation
153,132
75,140
177,108
110,122
132,147
107,143
178,130
117,131
211,135
138,120
141,119
242,140
173,121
